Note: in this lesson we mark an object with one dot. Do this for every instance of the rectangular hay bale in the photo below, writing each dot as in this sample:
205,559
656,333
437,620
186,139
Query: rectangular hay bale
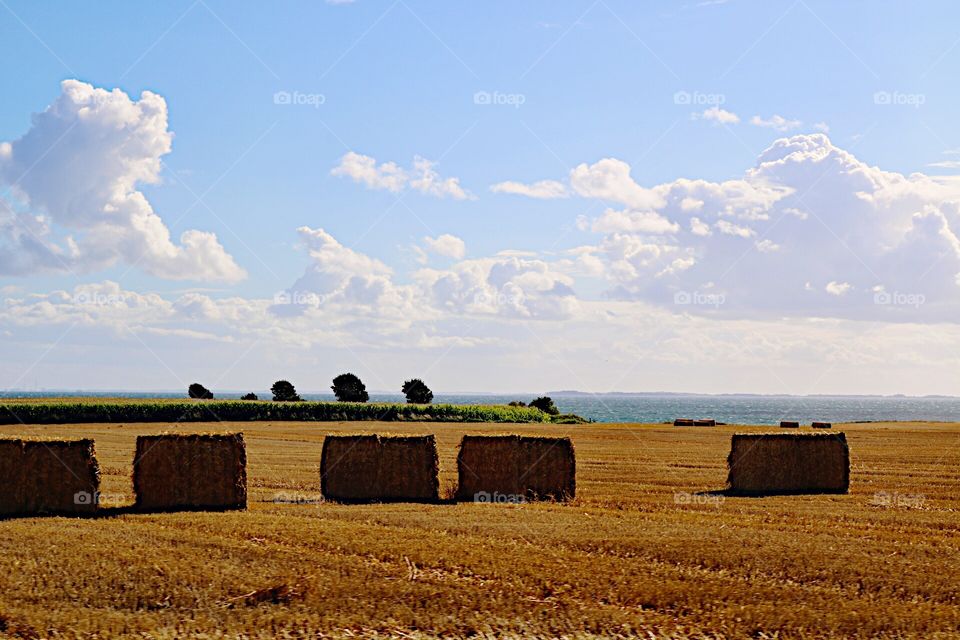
48,476
789,424
683,422
785,463
190,471
372,468
511,468
822,425
705,422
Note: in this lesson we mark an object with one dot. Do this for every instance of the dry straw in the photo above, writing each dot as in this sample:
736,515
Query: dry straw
516,466
190,471
778,463
48,476
373,468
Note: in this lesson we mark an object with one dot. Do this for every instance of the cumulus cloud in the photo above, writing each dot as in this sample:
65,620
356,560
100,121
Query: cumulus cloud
543,190
446,245
777,122
809,210
720,116
76,174
389,176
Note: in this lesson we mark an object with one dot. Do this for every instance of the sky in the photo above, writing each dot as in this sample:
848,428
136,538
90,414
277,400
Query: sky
718,196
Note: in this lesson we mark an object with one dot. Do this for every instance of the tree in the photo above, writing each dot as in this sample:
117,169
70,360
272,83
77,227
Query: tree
199,392
417,392
349,388
249,396
283,391
545,404
517,403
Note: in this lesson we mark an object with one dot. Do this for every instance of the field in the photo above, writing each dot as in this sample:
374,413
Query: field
639,552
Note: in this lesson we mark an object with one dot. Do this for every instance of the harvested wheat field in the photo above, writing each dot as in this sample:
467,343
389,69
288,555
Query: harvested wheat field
641,550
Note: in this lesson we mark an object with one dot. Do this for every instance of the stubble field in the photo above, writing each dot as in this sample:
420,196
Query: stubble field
643,550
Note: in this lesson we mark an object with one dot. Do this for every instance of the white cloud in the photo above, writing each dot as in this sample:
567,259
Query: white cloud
543,190
720,116
446,245
77,171
389,176
874,225
767,246
822,127
731,229
609,179
945,164
776,122
835,288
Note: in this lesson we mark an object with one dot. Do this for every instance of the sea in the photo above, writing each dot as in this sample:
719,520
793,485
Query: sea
654,407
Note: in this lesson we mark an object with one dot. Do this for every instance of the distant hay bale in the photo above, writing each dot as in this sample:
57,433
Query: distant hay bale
705,422
372,468
190,471
683,422
789,424
822,425
48,476
514,468
778,463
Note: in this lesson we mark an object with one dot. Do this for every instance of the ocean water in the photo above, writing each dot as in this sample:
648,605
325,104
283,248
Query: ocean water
739,409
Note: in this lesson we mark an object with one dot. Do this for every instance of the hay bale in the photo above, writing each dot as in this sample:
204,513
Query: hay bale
513,468
372,468
683,422
48,476
784,463
789,424
190,471
705,422
822,425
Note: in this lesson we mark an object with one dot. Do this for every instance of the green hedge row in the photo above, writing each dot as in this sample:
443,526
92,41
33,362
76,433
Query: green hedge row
237,411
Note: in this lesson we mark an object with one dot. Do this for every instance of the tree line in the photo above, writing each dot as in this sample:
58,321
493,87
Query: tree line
348,387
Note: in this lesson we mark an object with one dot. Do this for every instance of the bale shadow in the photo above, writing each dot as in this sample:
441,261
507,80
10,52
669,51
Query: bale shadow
113,512
732,493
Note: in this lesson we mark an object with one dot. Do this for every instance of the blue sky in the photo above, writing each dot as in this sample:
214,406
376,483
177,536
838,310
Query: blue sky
679,232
